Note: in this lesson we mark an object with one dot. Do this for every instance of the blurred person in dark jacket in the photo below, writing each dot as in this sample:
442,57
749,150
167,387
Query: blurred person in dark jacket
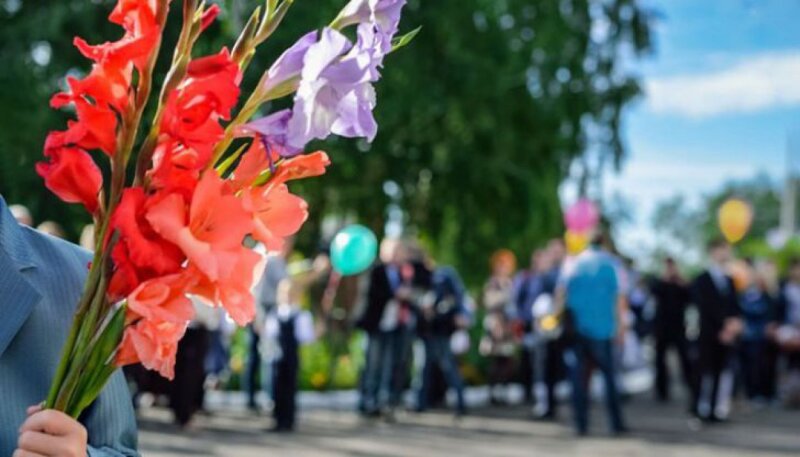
714,294
389,320
443,311
671,293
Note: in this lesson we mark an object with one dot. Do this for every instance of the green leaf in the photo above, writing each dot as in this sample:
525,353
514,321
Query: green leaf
222,168
402,40
100,364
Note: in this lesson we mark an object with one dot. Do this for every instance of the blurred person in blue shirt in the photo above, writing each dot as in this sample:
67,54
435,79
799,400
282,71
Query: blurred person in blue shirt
592,291
758,302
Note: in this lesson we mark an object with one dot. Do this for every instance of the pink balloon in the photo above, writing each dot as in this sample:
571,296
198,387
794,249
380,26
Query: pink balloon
581,216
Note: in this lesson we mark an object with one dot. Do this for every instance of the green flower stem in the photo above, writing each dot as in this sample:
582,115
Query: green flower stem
89,289
82,350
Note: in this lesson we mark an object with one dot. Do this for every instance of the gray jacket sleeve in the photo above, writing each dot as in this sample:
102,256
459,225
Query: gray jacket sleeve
110,421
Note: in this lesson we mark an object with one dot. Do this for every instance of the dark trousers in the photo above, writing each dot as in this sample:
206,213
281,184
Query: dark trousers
253,368
758,363
501,371
438,354
284,391
599,352
525,372
666,341
386,371
186,390
546,366
715,380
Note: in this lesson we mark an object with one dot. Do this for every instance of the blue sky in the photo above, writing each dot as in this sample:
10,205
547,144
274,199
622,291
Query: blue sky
722,94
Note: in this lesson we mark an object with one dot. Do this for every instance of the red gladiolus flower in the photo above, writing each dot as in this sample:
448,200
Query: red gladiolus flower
153,343
125,277
96,128
207,94
105,84
72,175
146,249
138,18
105,93
176,169
209,15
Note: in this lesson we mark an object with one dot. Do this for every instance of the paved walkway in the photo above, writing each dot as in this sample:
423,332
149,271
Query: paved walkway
334,430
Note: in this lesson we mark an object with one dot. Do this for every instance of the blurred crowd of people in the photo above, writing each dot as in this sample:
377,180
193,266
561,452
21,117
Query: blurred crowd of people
734,327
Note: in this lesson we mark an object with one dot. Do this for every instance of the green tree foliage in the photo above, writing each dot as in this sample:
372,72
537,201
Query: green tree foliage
481,117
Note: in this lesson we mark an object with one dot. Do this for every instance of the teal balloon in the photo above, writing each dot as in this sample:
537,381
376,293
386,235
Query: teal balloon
353,250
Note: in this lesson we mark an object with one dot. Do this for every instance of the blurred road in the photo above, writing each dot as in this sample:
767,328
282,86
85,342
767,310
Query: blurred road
334,430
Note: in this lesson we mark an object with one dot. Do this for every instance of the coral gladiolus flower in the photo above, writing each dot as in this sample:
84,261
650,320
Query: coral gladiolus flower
301,167
212,230
234,292
277,214
153,343
72,175
162,299
253,163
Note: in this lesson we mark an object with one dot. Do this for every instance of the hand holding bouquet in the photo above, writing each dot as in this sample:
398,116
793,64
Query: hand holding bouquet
172,216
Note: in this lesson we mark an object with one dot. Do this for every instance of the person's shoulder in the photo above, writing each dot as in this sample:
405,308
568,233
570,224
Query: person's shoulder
69,260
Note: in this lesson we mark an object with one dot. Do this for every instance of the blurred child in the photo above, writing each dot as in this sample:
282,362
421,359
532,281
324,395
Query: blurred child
287,328
499,346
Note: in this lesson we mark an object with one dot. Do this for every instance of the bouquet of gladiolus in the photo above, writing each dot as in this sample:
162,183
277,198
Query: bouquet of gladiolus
171,220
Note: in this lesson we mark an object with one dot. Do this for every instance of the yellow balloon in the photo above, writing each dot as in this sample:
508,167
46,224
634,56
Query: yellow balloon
734,217
576,241
549,322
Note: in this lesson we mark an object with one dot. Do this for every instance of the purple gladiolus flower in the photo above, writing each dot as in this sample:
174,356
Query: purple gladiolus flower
272,130
335,95
383,14
290,63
